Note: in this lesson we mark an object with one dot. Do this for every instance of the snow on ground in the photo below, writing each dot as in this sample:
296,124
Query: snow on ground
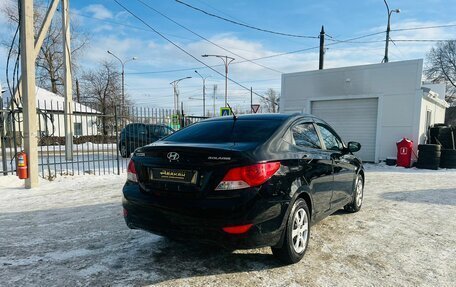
71,232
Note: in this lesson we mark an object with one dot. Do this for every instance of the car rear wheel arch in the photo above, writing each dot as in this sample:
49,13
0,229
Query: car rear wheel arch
304,193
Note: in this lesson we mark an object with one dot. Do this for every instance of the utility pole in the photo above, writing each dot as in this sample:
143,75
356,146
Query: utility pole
68,88
28,91
251,100
122,63
388,29
204,92
176,92
227,61
322,48
214,93
30,47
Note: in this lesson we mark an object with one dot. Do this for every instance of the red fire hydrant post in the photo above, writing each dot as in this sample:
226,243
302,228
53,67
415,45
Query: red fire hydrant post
404,152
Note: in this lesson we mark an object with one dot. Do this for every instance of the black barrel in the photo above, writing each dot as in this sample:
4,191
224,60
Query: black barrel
443,135
428,156
448,158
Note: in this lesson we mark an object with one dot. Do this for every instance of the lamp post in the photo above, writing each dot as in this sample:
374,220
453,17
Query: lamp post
226,60
176,91
388,29
122,63
204,92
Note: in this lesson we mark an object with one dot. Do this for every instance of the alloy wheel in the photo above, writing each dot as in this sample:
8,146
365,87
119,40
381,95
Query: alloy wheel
300,229
359,193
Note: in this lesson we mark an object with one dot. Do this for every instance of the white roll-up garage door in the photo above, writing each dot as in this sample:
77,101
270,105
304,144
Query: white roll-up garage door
353,120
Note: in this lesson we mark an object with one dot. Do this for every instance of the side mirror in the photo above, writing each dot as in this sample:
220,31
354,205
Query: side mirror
354,146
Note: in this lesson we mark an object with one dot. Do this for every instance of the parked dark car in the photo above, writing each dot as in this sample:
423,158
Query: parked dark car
137,135
245,182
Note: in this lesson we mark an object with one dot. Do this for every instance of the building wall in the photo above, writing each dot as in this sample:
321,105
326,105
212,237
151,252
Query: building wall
397,85
437,116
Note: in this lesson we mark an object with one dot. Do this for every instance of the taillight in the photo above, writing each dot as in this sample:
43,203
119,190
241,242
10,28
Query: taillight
131,172
248,176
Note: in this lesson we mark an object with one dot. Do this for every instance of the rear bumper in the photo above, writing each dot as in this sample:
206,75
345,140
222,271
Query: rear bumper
203,221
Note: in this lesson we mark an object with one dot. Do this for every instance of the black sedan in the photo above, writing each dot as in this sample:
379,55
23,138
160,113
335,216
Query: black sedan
244,182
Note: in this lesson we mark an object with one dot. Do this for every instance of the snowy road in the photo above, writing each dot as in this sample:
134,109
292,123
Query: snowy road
70,232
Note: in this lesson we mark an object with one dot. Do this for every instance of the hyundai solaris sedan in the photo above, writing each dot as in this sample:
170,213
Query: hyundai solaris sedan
244,182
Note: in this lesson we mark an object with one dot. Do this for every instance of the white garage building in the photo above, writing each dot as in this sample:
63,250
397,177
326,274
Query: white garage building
376,105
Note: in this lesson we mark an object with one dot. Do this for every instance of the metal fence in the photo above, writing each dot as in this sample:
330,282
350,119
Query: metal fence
102,141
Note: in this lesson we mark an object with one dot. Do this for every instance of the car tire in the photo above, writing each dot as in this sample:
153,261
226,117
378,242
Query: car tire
358,195
297,234
124,151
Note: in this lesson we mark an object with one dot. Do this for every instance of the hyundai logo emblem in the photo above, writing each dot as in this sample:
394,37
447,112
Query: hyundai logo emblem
173,156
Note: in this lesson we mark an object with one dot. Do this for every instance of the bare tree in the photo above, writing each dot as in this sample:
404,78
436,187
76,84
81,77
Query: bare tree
271,101
101,89
441,67
49,62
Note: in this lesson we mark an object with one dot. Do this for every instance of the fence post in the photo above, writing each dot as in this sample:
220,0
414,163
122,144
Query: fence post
117,140
2,135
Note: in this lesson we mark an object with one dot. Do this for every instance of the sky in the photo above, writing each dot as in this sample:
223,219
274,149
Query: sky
159,61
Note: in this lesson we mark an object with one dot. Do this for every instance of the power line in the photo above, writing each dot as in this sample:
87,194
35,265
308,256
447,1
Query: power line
351,40
424,27
183,50
335,42
126,25
424,40
238,62
195,86
245,25
205,39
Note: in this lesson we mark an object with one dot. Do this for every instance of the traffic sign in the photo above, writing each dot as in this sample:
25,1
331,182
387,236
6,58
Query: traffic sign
224,111
255,108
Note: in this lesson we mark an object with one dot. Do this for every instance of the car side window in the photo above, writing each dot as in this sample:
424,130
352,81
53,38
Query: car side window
305,135
167,131
141,129
330,139
153,130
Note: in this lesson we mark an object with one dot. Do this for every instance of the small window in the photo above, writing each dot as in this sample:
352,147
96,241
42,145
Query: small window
305,135
330,138
78,129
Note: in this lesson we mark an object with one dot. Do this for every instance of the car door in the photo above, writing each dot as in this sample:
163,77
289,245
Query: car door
344,171
141,135
316,165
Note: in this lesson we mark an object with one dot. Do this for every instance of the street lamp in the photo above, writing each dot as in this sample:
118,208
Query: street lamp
204,92
226,60
388,29
123,74
176,91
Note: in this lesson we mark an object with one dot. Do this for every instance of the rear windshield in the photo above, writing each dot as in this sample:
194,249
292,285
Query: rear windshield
227,131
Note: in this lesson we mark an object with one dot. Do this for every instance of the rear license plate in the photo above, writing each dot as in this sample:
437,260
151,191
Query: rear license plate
176,175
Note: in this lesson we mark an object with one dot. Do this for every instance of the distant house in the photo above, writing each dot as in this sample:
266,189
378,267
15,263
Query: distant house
51,121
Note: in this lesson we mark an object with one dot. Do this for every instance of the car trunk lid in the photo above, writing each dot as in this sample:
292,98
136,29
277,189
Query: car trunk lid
170,169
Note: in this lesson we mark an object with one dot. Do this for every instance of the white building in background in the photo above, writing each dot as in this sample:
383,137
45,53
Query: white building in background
376,105
51,116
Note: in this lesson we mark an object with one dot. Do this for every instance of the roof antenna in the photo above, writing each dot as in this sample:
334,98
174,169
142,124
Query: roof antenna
234,115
